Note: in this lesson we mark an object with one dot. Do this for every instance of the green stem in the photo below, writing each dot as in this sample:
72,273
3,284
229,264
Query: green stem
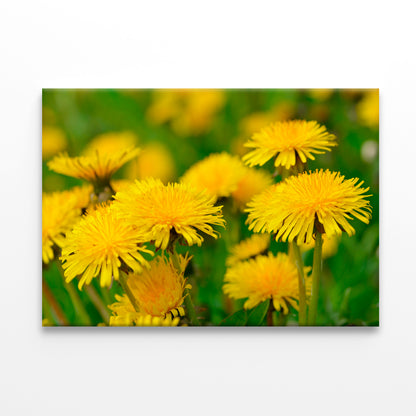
58,313
98,303
175,261
231,235
84,318
47,312
301,282
104,294
79,307
123,282
282,319
270,314
189,306
316,277
190,309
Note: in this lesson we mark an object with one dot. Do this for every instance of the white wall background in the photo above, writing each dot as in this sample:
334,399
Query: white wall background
204,44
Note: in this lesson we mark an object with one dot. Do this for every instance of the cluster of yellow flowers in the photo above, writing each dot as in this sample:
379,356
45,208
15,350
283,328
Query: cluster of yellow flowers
299,209
127,231
110,240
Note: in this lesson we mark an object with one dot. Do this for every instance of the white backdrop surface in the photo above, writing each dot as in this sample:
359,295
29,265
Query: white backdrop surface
235,44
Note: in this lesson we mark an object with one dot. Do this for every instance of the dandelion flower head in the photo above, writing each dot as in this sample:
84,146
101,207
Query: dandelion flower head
158,295
316,201
248,248
98,244
97,168
265,277
160,289
124,314
254,122
59,214
218,174
158,210
288,141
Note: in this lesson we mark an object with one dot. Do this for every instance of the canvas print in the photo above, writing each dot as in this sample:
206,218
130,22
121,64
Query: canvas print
210,207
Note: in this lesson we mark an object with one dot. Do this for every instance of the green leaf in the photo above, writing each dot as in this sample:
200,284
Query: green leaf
257,315
238,318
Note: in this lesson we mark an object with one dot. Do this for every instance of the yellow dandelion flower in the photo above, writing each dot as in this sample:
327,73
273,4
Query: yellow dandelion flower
124,314
110,143
154,161
368,109
158,295
315,201
160,289
288,141
218,174
98,244
248,248
97,168
59,214
265,277
149,320
252,183
53,141
256,121
158,210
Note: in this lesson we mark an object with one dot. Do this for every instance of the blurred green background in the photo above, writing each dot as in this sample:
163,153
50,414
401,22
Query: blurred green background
188,125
